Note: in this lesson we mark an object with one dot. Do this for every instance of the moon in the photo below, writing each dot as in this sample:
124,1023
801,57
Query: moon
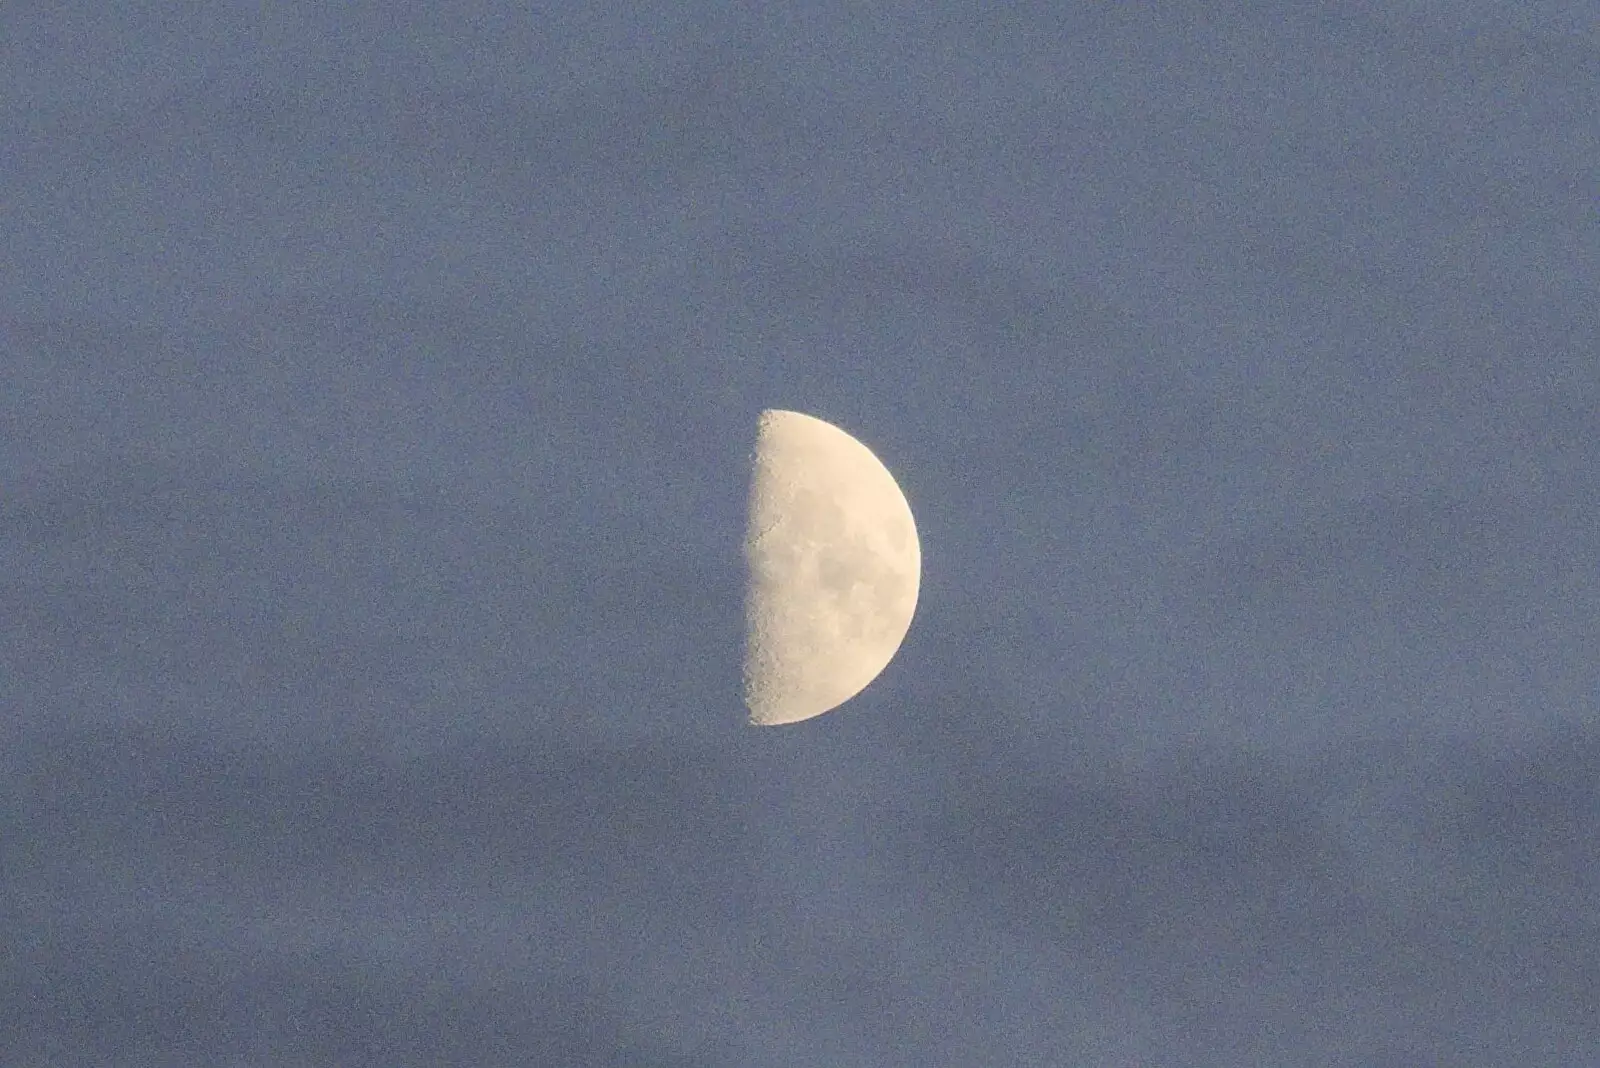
833,567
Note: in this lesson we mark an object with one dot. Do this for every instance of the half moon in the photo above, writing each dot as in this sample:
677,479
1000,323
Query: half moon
833,568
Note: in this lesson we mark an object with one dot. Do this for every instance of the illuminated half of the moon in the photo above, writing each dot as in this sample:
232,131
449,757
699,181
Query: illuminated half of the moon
833,567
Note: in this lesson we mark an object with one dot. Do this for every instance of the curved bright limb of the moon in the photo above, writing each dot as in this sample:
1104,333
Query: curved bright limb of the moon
833,566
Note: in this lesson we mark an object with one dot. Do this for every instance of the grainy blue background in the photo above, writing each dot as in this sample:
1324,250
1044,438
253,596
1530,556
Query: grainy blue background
377,382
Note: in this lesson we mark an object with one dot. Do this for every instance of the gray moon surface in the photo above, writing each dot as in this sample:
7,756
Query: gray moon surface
833,569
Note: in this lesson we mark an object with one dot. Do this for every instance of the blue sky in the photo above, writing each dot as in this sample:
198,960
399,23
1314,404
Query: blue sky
379,383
